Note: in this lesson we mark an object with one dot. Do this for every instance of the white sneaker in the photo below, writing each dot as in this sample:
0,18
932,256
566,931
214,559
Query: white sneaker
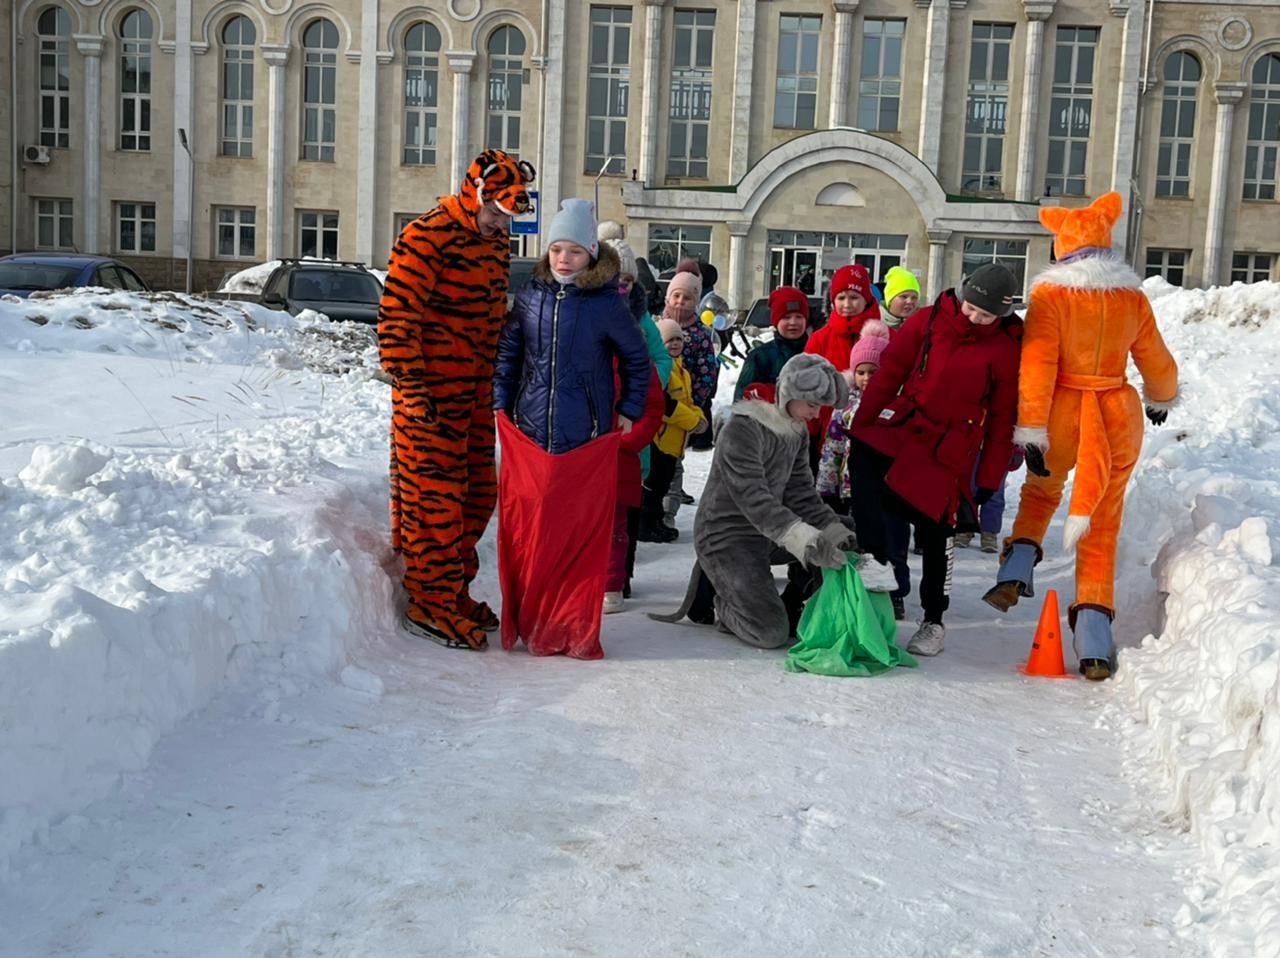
876,576
613,602
928,639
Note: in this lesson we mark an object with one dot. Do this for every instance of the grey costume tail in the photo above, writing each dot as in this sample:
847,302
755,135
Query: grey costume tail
689,595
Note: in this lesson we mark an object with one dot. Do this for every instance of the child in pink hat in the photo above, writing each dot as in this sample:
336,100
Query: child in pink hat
833,463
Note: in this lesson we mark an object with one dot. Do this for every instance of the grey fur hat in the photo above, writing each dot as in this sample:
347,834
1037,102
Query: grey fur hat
813,378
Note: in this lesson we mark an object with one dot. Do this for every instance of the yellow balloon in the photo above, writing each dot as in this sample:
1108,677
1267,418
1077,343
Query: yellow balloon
708,317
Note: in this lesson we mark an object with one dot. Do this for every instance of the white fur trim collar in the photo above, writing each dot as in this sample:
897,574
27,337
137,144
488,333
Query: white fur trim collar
769,416
1104,272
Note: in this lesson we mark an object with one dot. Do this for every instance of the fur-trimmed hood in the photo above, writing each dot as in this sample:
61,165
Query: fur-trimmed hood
1102,271
603,272
770,416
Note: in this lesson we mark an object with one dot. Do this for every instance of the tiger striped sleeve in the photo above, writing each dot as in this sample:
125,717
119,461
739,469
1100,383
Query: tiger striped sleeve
416,261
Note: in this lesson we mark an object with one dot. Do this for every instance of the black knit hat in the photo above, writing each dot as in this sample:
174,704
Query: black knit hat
990,287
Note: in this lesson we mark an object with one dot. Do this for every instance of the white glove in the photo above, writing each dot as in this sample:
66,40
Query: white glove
624,424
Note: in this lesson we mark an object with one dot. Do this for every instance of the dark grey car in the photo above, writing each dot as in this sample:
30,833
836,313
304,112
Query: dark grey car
342,291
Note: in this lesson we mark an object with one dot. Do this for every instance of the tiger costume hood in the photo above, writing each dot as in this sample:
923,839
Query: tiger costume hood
493,175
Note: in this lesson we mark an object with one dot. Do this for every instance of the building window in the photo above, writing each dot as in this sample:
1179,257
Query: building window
880,85
1177,125
979,250
421,93
402,220
506,89
237,232
54,30
319,84
669,243
136,227
1071,111
1264,130
1251,267
988,107
318,234
135,81
805,258
1169,263
238,38
689,134
795,105
53,225
608,86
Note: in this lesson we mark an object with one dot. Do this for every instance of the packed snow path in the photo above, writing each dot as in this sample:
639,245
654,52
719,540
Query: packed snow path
684,796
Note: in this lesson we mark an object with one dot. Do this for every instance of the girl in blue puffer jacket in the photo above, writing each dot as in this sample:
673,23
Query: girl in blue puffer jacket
554,375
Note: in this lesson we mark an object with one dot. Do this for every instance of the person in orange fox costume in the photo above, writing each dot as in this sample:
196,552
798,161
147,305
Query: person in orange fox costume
1076,410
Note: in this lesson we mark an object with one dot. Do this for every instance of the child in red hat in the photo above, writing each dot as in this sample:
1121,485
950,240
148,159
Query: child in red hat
789,314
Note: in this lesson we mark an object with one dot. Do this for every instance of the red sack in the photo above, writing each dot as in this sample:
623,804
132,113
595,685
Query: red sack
555,522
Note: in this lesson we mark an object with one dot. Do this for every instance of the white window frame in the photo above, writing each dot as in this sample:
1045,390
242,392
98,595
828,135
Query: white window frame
608,87
237,86
1262,154
1170,264
422,46
505,48
401,220
987,108
880,82
54,77
136,32
795,102
692,60
141,215
236,223
690,241
1174,154
979,250
1071,111
319,91
324,224
54,214
1252,267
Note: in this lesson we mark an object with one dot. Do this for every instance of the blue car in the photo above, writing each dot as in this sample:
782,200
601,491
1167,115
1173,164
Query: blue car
23,273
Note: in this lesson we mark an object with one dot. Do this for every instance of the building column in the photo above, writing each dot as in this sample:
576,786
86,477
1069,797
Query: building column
936,279
182,163
1037,12
549,177
651,80
1228,95
839,115
739,285
935,81
276,58
90,47
461,63
367,157
743,64
1127,102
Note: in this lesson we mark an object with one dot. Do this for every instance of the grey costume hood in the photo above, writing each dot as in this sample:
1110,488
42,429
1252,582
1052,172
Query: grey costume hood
811,378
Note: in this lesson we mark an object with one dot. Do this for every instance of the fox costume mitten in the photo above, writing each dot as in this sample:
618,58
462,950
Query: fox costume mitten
1086,316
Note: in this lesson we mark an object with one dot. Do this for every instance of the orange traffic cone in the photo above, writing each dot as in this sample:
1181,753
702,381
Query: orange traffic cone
1045,660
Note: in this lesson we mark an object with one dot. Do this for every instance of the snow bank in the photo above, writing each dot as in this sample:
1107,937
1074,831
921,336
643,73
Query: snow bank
1207,689
193,541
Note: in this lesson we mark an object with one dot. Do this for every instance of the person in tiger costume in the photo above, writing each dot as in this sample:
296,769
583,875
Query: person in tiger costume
443,307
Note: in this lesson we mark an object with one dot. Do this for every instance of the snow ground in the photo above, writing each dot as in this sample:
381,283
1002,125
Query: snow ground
215,741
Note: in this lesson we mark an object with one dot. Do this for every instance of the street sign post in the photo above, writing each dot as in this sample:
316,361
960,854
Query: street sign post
526,224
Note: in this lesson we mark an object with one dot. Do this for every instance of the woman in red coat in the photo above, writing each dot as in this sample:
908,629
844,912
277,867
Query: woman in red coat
945,398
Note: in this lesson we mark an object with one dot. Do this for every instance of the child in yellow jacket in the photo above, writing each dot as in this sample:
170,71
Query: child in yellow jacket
682,418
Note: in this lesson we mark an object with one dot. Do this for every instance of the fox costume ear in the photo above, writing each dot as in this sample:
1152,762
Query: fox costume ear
1052,217
1109,206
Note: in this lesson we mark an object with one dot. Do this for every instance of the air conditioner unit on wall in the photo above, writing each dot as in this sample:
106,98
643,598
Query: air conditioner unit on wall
35,154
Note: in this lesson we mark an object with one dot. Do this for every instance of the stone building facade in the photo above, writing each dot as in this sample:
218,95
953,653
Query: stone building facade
775,138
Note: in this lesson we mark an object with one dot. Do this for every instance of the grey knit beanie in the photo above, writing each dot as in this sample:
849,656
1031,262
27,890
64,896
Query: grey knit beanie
576,222
811,377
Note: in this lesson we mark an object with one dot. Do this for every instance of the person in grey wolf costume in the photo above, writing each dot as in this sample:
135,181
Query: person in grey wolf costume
760,501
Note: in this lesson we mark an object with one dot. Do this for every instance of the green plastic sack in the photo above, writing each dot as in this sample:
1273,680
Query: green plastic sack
846,630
